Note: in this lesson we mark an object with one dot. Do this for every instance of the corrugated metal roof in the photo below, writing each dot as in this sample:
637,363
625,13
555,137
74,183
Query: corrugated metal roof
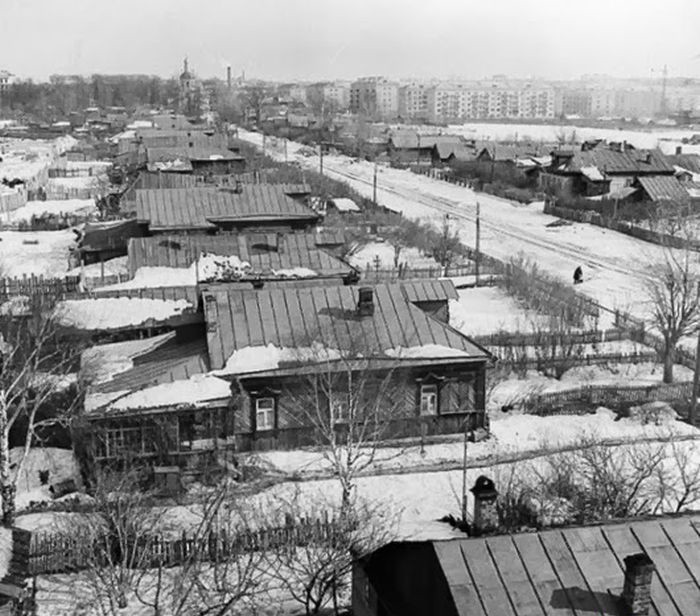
611,161
163,293
197,208
167,154
264,252
429,290
293,317
663,188
577,570
412,140
168,362
689,162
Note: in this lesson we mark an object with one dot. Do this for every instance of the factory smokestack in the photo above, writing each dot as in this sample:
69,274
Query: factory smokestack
228,77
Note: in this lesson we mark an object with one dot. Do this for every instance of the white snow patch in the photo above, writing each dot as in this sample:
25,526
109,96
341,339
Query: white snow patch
258,358
56,207
198,389
425,351
48,257
295,272
117,312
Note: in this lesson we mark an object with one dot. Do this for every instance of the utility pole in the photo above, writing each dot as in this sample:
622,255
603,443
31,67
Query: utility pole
285,150
320,157
696,383
478,241
374,185
464,471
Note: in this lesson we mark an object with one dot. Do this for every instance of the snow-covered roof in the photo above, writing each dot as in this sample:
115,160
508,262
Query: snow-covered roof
267,329
593,174
343,204
113,313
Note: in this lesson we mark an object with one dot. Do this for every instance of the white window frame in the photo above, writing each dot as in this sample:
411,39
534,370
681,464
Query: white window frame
340,407
429,399
266,414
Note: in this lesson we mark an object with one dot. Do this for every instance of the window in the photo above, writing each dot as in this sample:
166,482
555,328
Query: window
428,399
340,407
264,413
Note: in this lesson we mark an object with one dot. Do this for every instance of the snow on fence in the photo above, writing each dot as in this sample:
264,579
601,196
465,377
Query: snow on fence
584,399
12,200
594,218
52,552
30,286
405,272
545,338
543,363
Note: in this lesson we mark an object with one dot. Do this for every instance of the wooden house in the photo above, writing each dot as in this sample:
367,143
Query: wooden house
268,346
196,160
209,210
412,148
600,170
635,568
264,258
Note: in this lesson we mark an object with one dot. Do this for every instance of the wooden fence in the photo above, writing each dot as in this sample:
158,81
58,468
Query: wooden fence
405,272
543,363
583,399
32,286
52,552
546,338
594,218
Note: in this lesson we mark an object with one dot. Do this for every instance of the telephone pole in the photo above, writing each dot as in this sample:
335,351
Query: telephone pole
696,383
374,185
320,157
478,241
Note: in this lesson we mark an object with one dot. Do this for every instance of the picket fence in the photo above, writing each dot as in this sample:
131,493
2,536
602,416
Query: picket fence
405,272
39,286
544,363
545,338
51,552
583,399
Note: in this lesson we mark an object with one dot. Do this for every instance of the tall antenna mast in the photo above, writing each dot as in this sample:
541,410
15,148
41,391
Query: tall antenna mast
663,90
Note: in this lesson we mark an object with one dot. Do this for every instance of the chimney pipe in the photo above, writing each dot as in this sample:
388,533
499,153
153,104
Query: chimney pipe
228,77
636,594
485,506
280,243
239,187
365,302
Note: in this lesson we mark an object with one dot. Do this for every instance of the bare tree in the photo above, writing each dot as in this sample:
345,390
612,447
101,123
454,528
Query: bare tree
219,573
447,244
117,536
349,400
673,290
34,367
316,570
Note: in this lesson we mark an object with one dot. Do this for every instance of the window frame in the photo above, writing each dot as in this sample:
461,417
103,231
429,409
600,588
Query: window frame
435,387
272,410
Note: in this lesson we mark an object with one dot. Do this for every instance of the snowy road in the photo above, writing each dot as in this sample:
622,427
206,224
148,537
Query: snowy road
615,265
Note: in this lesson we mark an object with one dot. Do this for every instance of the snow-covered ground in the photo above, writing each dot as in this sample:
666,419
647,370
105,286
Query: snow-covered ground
112,267
42,253
57,207
383,253
614,265
514,390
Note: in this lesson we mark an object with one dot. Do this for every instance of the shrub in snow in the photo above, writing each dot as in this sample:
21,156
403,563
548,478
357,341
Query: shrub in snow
653,412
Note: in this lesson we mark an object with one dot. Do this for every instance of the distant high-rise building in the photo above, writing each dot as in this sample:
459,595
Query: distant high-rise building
5,80
376,97
413,101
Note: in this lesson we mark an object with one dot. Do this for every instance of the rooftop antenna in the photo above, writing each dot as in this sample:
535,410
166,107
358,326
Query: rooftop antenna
663,90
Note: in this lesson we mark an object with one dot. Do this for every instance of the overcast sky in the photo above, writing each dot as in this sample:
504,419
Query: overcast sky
321,39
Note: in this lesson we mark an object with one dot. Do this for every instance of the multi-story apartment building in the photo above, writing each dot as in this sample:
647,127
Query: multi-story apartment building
489,101
413,100
375,96
333,95
5,80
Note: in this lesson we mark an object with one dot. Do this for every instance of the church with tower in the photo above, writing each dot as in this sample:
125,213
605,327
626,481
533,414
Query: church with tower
193,98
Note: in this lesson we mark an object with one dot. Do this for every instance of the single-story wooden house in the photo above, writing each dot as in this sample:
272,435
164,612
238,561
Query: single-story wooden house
594,172
261,259
412,148
208,210
196,160
101,241
269,346
633,568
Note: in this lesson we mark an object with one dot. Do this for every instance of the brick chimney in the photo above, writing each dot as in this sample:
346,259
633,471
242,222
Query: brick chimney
636,594
365,302
485,506
280,243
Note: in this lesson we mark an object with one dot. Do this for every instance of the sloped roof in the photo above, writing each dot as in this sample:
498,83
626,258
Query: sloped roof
690,162
611,161
165,361
295,318
663,188
578,570
461,151
506,152
203,153
343,204
262,251
197,208
412,140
